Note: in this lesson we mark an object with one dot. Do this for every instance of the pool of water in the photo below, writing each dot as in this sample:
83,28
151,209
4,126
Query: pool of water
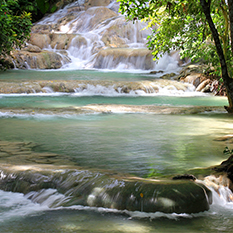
132,143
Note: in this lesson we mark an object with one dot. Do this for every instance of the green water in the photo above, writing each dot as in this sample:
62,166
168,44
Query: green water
73,101
23,75
130,143
137,144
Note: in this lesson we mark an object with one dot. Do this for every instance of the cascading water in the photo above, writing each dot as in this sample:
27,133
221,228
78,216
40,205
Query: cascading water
79,145
99,38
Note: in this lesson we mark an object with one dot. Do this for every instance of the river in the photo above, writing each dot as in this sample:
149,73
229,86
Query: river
56,146
122,142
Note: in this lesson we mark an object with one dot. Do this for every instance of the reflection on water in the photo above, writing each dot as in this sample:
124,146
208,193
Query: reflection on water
131,143
24,75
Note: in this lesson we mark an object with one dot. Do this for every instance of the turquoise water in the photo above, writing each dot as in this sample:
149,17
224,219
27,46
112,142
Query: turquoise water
70,100
137,144
23,75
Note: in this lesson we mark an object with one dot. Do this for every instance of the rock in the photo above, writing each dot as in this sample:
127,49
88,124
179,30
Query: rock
193,68
93,188
8,87
193,78
168,76
106,58
31,48
41,29
40,40
184,177
226,169
120,33
156,72
43,60
80,85
78,41
92,3
202,85
61,41
225,138
99,15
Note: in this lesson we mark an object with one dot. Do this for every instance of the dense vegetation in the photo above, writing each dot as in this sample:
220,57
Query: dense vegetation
201,30
16,18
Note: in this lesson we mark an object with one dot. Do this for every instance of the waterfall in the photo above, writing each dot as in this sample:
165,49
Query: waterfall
221,193
98,37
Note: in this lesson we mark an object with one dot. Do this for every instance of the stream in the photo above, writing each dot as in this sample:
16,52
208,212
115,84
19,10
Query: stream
64,153
131,143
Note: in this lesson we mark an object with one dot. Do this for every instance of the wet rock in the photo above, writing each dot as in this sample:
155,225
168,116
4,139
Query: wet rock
202,86
39,60
121,32
78,41
13,87
141,58
31,48
41,29
225,138
99,15
40,40
61,41
193,69
225,169
194,78
97,189
92,3
184,177
168,76
156,72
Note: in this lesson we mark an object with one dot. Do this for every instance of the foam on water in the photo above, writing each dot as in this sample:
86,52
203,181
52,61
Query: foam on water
88,42
15,205
99,90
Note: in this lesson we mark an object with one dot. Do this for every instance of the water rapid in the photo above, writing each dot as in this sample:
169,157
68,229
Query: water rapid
90,138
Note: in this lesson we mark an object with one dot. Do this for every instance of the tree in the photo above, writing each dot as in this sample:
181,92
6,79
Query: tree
15,28
201,30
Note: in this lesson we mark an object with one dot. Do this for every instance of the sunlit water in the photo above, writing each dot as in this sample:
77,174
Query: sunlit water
137,144
119,143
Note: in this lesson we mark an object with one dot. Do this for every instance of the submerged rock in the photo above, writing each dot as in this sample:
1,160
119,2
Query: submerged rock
88,188
78,86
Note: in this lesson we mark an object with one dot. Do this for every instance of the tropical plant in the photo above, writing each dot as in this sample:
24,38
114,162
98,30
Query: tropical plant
15,28
201,30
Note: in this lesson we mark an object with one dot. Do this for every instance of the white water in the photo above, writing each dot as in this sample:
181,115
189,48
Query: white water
152,89
17,205
85,48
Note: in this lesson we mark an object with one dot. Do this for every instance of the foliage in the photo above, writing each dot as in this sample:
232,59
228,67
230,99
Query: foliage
15,23
227,151
15,27
46,6
182,25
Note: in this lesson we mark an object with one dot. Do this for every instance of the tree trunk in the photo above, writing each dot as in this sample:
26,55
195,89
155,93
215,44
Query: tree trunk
228,82
230,7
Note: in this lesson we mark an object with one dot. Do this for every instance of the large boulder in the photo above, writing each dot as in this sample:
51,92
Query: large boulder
61,41
90,188
40,40
40,60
